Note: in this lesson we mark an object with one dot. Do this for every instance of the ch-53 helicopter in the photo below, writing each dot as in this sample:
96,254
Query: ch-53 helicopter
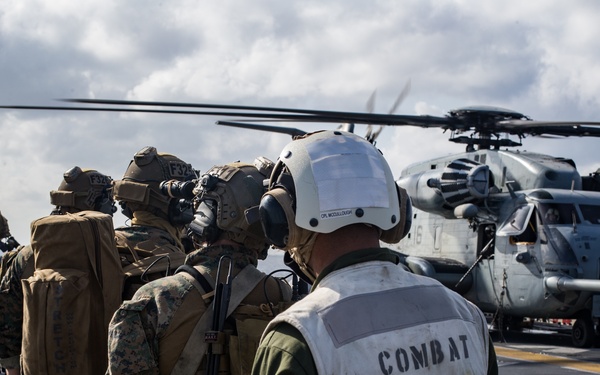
516,233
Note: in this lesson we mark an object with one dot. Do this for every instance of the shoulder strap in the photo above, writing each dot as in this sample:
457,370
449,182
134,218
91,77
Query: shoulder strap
198,276
195,348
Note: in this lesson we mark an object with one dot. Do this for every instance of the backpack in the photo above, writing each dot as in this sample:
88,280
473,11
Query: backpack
237,349
72,295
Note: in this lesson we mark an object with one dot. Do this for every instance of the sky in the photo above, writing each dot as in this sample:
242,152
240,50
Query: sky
537,57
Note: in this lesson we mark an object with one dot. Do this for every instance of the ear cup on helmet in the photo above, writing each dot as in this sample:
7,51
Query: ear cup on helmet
278,219
397,232
204,224
105,205
181,211
125,210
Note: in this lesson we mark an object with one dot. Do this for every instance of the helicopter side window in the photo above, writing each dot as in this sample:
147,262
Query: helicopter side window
529,235
520,226
590,213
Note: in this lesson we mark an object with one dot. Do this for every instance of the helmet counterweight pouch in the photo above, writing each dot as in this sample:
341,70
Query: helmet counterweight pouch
63,198
132,191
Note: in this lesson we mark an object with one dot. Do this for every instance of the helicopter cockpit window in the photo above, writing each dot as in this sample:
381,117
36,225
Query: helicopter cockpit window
591,214
560,213
520,225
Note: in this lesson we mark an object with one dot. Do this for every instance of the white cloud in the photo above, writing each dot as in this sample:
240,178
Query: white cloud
537,57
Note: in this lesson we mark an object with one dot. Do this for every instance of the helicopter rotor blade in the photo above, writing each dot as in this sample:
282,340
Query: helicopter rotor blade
325,116
482,120
258,116
400,98
258,109
269,128
535,123
370,109
293,115
373,135
371,102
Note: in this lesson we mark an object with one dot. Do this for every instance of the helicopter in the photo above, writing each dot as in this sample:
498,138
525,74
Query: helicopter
516,233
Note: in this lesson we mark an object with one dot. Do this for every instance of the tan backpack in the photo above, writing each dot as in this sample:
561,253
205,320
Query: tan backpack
72,295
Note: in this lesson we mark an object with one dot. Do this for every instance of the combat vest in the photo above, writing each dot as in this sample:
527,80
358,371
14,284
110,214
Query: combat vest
238,343
375,318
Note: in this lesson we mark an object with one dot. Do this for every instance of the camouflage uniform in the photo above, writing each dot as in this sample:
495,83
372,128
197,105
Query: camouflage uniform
143,240
11,306
157,218
148,238
148,333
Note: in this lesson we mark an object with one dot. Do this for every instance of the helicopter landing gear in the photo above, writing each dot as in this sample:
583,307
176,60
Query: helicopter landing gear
508,323
583,333
515,323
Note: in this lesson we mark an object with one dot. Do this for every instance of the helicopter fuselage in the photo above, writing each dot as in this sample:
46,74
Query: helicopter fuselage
506,254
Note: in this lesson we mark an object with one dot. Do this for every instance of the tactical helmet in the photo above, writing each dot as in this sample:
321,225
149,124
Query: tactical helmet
4,230
83,189
227,197
139,189
328,180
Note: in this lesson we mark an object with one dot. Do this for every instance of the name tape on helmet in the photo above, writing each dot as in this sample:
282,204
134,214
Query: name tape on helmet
98,179
335,214
179,169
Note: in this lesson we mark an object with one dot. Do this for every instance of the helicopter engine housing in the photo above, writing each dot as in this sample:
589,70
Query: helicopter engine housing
441,191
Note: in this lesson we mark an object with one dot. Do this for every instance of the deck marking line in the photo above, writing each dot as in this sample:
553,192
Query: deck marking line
549,359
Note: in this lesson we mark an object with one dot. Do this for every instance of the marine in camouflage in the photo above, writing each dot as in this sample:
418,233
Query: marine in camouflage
80,189
148,333
11,306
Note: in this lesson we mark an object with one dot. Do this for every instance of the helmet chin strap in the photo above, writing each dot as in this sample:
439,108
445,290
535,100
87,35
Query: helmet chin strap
301,255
